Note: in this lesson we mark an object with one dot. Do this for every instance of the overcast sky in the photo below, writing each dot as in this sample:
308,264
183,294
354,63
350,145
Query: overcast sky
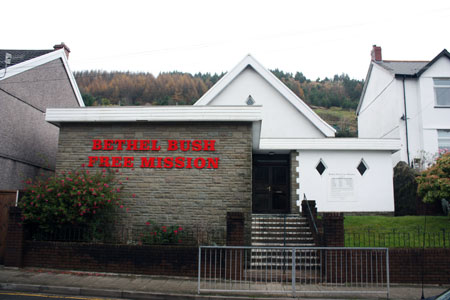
318,38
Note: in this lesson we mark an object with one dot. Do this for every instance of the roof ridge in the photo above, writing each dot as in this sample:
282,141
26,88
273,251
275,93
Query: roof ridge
422,61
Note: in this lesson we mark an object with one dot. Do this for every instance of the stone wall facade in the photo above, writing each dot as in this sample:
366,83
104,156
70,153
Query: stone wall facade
192,198
294,184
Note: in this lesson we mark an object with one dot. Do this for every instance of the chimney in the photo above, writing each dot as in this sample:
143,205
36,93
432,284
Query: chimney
62,46
376,53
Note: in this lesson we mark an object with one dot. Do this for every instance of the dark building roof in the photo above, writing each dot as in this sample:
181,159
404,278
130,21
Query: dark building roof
19,56
410,68
402,67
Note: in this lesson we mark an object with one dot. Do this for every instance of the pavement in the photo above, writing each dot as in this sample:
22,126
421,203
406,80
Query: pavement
132,286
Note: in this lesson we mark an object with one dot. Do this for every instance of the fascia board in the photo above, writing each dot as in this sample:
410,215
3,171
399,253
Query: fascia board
334,144
155,114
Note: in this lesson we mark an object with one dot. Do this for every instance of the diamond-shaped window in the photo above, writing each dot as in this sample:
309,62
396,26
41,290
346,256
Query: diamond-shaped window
250,100
321,167
362,167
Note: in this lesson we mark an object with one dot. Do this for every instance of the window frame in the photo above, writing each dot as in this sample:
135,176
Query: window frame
443,138
437,86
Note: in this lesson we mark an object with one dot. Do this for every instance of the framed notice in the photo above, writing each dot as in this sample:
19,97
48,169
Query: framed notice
341,187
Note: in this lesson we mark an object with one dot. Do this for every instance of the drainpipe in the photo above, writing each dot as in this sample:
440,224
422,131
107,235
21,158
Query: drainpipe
405,118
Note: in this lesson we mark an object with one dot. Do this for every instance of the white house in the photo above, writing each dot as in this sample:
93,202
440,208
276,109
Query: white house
410,101
341,174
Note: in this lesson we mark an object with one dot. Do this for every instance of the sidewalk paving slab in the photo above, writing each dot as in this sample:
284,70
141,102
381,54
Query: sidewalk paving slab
133,286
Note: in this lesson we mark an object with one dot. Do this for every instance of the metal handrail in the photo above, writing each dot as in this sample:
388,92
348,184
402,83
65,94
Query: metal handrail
311,215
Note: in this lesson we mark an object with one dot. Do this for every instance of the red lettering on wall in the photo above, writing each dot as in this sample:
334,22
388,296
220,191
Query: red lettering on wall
132,145
147,162
179,162
144,145
199,163
213,163
209,145
128,162
185,145
104,161
92,161
96,144
155,146
108,145
168,162
115,162
196,145
119,144
172,145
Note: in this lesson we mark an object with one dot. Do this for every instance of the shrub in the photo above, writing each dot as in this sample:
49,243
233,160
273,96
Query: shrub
78,198
434,183
156,234
405,189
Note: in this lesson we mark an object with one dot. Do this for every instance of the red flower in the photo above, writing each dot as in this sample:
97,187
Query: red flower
147,223
134,195
83,165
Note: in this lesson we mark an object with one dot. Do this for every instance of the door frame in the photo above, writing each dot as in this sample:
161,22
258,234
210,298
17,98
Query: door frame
275,160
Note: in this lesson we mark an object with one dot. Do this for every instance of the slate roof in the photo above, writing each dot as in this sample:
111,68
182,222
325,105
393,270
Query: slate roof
19,56
402,67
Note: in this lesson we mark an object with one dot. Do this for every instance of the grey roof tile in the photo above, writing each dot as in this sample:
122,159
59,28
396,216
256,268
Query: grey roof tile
19,56
402,67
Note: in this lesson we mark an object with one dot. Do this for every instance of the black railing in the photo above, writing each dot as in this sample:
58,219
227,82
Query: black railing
397,239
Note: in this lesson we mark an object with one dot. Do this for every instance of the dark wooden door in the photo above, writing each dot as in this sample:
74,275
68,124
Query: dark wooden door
7,199
271,184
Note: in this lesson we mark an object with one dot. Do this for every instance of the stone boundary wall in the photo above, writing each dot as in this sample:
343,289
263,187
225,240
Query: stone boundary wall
188,197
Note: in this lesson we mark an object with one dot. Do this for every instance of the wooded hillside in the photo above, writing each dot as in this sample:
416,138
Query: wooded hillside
125,88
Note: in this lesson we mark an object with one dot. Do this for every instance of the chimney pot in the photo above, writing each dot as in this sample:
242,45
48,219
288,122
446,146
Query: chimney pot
62,46
376,53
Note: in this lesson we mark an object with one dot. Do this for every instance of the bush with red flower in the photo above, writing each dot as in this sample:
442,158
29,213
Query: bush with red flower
75,198
156,234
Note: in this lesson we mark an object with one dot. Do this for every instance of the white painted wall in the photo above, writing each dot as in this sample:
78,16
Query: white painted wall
433,118
280,118
372,192
383,107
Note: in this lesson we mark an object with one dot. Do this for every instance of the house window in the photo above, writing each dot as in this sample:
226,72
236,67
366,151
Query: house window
442,91
321,167
362,167
250,100
444,140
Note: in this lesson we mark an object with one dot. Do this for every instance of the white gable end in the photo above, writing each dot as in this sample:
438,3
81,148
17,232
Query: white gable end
280,118
284,114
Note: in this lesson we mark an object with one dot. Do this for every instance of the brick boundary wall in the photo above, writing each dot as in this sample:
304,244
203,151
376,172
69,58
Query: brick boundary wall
405,263
333,229
14,238
150,260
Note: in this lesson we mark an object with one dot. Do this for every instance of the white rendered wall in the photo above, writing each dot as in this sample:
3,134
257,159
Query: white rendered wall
379,114
280,118
371,192
432,117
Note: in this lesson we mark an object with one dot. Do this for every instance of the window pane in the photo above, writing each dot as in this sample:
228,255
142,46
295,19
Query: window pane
441,81
442,96
444,133
444,139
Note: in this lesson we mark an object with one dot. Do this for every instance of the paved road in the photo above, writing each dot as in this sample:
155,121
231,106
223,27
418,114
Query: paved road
34,296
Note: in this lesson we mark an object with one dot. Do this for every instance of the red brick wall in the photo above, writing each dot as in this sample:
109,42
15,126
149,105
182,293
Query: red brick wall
406,265
333,229
150,260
